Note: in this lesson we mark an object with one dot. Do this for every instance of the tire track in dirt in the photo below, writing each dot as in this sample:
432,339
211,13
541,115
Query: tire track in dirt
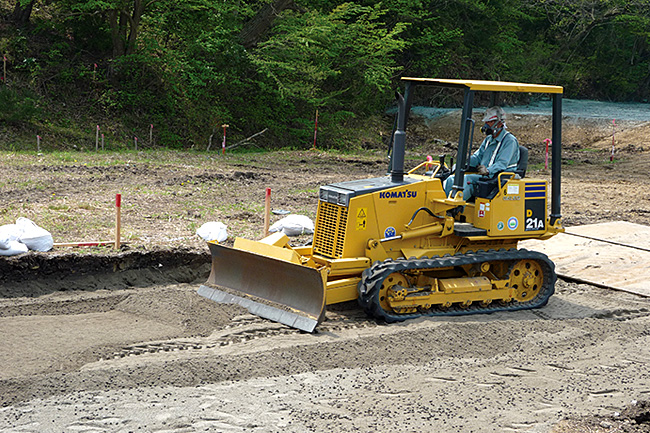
337,381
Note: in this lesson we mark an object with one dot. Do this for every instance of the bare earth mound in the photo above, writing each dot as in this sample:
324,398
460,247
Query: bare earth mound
95,340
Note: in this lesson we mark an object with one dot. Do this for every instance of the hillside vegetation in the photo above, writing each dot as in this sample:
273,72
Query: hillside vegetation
172,72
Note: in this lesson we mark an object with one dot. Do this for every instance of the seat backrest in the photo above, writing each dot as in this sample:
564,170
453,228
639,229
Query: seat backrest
522,165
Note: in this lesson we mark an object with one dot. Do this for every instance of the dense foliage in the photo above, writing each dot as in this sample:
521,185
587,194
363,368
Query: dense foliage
189,66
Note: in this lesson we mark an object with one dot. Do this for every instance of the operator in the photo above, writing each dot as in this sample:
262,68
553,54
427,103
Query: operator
498,152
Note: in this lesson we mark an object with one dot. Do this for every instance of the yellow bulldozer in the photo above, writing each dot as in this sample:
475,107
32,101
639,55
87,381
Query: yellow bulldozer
401,246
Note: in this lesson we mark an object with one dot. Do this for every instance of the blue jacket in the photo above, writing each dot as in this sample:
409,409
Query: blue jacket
506,147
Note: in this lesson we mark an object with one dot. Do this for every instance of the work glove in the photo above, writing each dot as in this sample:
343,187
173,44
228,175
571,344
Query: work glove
482,170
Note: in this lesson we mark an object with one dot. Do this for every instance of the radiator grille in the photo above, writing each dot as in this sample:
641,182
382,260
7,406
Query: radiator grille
330,232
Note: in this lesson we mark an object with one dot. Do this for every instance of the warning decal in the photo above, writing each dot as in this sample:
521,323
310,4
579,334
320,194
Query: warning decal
362,218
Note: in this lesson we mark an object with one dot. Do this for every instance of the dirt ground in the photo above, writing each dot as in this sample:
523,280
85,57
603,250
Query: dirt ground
97,340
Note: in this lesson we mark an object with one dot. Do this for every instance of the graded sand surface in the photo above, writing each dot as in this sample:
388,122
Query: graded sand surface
585,353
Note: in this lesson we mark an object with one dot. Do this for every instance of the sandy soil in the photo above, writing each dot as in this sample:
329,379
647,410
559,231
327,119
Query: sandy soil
102,341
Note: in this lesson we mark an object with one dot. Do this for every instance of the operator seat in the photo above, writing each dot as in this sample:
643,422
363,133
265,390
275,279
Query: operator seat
487,188
522,165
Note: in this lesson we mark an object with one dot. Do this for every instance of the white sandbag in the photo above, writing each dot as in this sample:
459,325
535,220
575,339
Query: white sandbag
15,248
294,225
8,233
213,231
36,238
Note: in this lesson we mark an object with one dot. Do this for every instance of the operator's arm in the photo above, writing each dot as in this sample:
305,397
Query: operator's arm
507,157
476,157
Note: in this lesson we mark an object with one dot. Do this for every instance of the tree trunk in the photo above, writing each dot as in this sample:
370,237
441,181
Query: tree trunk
118,32
255,29
125,27
134,25
22,12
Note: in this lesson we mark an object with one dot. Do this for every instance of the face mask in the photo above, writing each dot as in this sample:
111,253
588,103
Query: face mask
485,129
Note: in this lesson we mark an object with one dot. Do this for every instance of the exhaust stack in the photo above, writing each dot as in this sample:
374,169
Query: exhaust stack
399,141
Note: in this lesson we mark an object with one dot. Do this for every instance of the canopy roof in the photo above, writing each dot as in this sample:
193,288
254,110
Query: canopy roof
490,86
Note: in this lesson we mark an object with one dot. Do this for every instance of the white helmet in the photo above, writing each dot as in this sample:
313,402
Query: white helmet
494,113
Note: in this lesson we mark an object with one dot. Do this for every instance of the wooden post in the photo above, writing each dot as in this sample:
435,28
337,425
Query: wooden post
267,211
118,219
38,143
151,135
102,141
315,130
135,139
97,139
223,145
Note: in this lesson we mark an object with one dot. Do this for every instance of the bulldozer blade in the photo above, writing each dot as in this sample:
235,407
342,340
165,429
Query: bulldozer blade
275,289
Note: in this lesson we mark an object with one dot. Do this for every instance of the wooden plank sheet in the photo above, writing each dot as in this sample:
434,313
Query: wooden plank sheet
619,232
614,254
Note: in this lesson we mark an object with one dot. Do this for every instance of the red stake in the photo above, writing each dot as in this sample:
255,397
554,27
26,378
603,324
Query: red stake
223,145
547,141
611,157
118,220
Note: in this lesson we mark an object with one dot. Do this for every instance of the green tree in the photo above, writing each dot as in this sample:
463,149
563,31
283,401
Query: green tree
598,48
341,59
123,16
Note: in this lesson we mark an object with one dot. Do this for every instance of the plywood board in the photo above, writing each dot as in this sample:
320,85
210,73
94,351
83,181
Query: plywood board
615,255
618,232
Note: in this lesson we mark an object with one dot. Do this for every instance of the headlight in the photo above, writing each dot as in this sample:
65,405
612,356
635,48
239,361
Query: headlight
335,195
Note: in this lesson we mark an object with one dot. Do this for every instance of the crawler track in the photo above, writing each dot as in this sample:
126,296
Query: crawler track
373,277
